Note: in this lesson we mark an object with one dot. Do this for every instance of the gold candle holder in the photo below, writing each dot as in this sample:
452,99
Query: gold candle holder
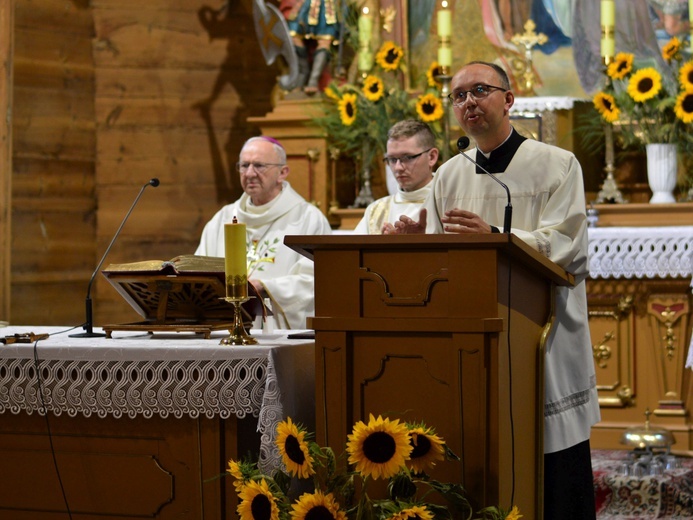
236,274
238,334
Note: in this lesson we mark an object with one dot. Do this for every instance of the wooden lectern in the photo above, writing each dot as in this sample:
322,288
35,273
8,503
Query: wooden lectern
444,329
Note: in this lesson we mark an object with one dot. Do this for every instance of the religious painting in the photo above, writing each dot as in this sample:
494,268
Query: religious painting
567,64
482,30
670,18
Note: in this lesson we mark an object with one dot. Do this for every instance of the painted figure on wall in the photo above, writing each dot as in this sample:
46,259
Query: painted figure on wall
670,18
314,26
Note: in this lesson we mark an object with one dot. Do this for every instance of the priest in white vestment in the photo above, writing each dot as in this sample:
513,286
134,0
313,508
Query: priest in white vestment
411,154
271,209
548,203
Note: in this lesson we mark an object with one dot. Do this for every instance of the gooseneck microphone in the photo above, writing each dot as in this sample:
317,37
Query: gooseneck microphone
89,324
462,143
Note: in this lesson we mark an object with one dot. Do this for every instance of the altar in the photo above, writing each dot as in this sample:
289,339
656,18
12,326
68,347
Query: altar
141,425
639,302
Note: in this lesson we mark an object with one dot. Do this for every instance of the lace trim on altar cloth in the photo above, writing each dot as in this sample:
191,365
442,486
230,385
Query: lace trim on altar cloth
641,252
178,388
542,103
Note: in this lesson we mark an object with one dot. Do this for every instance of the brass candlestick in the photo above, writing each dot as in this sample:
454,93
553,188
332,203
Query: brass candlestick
444,79
609,191
238,335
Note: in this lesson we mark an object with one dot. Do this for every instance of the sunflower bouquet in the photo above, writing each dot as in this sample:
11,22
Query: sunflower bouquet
381,449
357,117
648,105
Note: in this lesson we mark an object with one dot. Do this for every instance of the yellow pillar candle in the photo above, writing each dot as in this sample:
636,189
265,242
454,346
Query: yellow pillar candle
365,56
365,27
444,34
608,19
608,13
444,20
444,56
365,60
608,47
235,260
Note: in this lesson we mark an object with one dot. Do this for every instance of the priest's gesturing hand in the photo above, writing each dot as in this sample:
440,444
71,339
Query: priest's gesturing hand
408,226
461,221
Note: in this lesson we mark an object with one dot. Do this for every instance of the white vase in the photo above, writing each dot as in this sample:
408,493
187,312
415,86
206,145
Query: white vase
662,168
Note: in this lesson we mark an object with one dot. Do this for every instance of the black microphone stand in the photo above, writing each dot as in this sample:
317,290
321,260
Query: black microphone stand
462,143
89,324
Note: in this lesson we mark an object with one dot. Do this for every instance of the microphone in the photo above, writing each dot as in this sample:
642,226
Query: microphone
89,324
462,143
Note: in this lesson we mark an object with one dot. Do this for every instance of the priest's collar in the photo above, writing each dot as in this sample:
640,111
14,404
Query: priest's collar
499,159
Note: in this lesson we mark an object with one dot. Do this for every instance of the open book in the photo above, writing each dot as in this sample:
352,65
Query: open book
188,289
177,265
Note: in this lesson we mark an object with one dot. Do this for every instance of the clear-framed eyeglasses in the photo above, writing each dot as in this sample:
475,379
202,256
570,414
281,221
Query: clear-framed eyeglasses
404,159
480,91
258,167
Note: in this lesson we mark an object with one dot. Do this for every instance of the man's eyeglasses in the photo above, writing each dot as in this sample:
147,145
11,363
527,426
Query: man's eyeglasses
480,91
404,159
259,167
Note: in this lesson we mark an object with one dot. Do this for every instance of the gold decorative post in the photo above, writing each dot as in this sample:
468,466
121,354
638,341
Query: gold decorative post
529,39
313,154
445,78
334,157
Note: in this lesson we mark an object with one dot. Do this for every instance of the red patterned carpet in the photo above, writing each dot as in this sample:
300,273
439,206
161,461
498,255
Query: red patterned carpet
621,497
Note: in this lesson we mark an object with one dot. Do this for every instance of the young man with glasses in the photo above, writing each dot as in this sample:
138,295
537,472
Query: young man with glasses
548,201
411,155
271,209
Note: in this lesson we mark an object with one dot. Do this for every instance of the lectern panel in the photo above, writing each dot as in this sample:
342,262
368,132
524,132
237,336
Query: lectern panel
440,379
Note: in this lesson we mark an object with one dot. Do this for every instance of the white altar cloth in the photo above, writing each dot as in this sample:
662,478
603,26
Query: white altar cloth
177,374
641,252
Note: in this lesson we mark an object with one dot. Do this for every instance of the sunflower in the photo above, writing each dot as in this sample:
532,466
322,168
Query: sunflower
686,76
415,512
347,109
427,448
331,93
389,56
234,470
317,506
671,49
429,108
606,105
644,84
379,448
294,449
242,472
684,107
373,88
621,66
431,75
514,514
257,502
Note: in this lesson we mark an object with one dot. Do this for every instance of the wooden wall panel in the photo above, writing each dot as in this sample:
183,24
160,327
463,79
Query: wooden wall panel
107,95
6,59
172,98
53,205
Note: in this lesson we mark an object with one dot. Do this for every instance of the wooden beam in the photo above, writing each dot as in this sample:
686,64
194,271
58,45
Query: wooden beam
6,57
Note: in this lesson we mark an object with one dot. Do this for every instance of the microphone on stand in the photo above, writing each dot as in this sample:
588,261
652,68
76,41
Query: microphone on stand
462,143
89,324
